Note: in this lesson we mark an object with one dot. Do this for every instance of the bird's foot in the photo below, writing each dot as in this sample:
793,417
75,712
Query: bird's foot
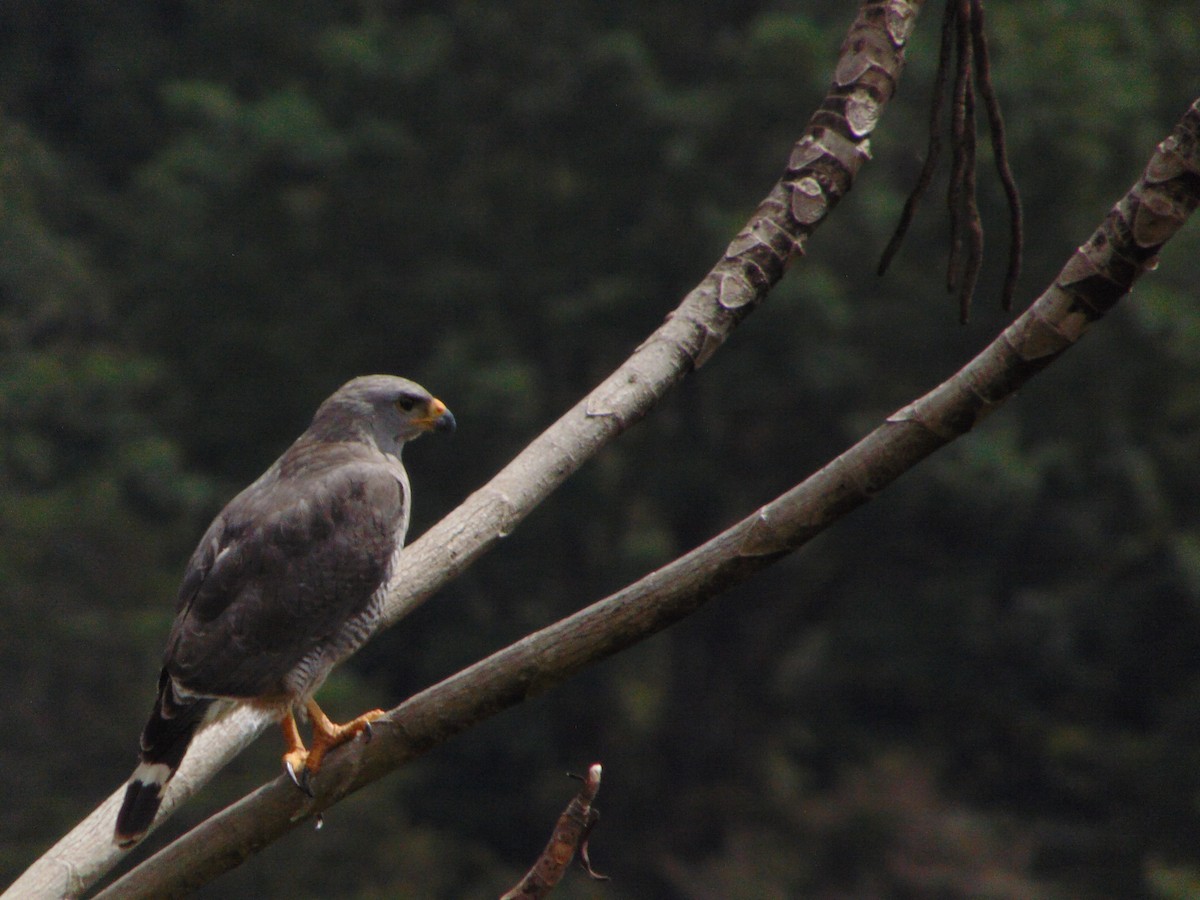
300,774
339,734
303,765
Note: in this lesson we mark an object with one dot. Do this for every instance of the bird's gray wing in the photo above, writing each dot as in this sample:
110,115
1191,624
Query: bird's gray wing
280,572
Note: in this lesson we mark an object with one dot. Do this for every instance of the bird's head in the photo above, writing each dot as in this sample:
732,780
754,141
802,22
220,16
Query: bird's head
384,409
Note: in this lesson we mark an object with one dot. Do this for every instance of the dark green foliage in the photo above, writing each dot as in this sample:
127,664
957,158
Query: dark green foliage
984,683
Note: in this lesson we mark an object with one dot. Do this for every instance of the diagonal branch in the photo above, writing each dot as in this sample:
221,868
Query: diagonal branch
1096,276
820,172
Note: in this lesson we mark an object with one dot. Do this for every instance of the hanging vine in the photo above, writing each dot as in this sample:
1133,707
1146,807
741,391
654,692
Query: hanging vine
964,41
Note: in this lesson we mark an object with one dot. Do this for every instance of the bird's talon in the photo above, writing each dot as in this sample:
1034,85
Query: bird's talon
368,732
303,780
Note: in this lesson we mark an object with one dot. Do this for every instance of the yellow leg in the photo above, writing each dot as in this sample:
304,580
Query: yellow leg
302,764
327,735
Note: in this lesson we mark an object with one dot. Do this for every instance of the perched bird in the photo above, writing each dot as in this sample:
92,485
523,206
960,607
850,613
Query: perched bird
287,582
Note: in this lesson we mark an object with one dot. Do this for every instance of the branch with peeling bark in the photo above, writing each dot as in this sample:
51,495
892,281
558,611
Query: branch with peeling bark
820,172
1097,275
570,836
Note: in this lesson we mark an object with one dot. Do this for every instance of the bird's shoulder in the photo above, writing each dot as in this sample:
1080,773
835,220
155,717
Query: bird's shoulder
331,504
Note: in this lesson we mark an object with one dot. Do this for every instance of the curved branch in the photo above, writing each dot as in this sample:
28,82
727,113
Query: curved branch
820,172
1099,273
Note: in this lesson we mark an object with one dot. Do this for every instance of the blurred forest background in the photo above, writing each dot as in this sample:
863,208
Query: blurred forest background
985,683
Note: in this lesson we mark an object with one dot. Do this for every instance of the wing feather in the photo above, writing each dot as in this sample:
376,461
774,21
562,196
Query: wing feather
281,571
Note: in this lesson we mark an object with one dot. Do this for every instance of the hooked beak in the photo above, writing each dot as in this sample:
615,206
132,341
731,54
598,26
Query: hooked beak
438,417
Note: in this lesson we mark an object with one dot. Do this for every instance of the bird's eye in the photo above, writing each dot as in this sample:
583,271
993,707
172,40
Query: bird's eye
406,403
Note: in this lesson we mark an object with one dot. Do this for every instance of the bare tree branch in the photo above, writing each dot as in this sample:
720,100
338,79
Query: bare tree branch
820,172
1096,276
570,836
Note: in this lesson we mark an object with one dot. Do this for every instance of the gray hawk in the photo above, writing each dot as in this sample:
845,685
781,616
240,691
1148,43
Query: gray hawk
287,582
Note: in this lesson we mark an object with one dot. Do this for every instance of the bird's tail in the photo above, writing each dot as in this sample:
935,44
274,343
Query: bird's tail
165,740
